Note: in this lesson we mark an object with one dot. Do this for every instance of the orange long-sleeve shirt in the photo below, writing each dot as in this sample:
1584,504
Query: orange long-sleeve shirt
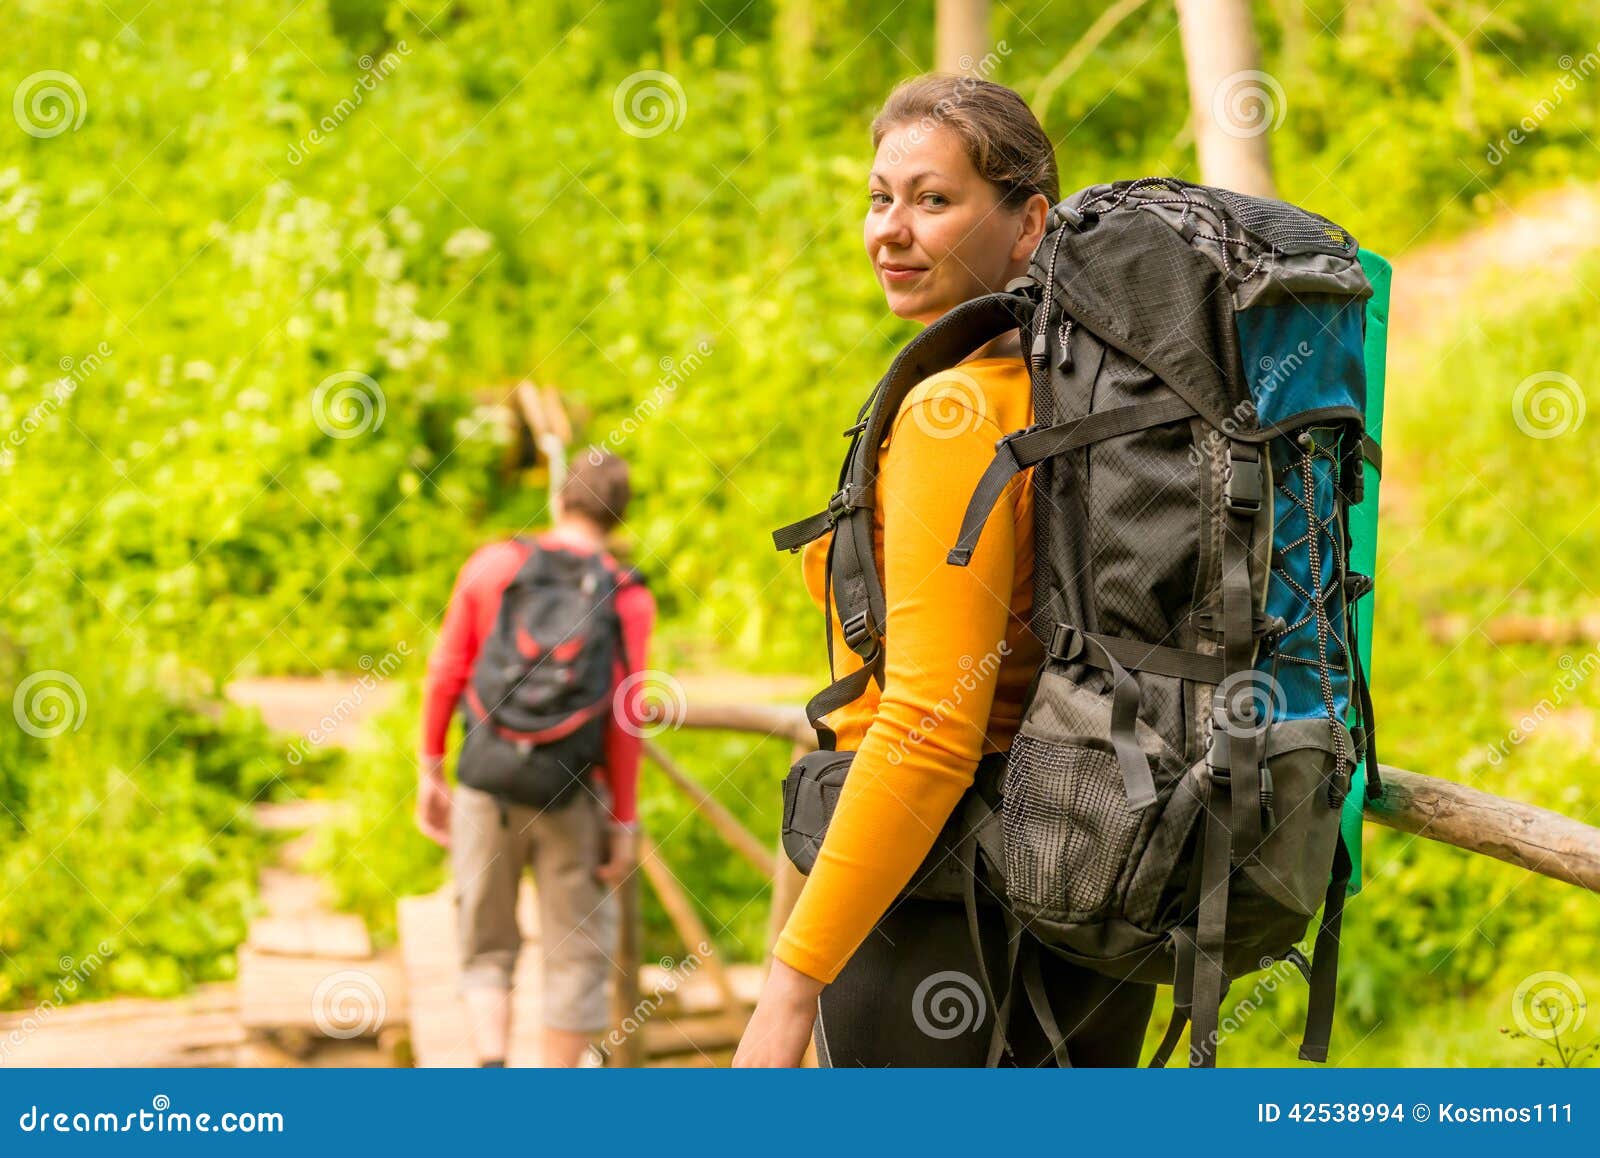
960,655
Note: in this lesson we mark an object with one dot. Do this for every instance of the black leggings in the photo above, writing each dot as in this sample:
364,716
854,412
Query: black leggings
911,997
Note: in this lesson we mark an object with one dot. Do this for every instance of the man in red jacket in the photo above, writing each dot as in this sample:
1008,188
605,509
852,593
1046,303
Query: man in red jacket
578,850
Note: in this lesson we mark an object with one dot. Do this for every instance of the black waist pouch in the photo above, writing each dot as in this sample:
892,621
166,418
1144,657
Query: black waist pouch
811,792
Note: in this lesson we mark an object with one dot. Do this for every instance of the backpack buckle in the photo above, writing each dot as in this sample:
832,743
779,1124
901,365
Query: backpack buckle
1006,440
842,502
857,630
1242,489
1065,643
1262,624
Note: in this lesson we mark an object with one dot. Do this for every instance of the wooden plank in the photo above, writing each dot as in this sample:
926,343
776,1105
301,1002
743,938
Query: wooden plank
675,995
337,998
299,705
286,893
201,1029
440,1036
335,935
667,1036
292,815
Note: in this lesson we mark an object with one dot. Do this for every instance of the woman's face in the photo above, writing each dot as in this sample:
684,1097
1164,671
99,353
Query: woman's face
935,230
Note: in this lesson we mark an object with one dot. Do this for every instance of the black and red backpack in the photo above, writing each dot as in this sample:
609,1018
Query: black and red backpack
539,698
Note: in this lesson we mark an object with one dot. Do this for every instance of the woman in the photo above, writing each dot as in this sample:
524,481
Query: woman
961,184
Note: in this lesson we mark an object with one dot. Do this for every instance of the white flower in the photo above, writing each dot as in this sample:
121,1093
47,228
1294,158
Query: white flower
468,242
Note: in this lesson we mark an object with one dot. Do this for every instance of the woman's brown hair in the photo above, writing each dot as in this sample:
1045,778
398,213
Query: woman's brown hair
1008,146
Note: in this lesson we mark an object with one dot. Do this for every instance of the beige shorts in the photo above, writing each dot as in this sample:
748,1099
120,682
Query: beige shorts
577,914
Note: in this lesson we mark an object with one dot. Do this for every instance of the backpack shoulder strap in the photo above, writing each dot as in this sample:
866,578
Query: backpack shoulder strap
857,594
532,567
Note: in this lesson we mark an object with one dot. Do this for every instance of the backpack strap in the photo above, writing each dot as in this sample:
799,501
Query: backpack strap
1208,982
1325,960
1039,999
857,592
532,555
1182,997
1358,668
1232,826
1023,448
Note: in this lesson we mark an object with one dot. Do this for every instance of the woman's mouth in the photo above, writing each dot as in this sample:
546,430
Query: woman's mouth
901,273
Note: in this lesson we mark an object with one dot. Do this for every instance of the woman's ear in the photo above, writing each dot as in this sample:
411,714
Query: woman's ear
1031,220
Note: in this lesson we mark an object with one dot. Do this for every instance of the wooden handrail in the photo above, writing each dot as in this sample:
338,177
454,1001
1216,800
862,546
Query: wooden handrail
1531,838
783,721
739,838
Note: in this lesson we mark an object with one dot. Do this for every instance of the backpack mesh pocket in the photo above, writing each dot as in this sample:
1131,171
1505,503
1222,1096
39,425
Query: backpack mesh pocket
1067,828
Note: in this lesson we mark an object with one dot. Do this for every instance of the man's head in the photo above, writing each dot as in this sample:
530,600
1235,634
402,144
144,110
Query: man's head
596,490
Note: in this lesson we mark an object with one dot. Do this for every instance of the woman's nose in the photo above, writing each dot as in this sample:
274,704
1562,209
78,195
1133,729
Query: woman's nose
891,227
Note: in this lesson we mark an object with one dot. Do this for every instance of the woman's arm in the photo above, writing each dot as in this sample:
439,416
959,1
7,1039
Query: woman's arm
945,637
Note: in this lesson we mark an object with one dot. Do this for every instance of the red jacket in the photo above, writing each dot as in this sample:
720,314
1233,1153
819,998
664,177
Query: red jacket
468,622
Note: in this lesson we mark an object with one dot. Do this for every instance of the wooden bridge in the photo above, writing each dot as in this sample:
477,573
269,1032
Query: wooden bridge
311,989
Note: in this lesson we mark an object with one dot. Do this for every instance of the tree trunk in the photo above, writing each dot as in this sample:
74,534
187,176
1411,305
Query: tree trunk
1234,105
962,34
795,30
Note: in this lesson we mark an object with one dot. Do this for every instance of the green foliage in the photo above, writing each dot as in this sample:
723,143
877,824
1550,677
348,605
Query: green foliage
129,856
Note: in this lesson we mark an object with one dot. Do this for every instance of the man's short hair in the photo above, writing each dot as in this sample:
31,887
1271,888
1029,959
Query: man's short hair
597,488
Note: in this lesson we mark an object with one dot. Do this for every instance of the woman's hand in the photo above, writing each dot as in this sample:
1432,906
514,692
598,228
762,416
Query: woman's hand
780,1027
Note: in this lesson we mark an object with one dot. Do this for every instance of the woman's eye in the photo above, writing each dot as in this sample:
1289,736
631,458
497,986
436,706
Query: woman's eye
935,200
877,198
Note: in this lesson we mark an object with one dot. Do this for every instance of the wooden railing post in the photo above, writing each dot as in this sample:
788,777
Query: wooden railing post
686,920
628,1053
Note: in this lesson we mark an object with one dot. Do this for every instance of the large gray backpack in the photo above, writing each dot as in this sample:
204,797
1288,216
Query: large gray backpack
1170,809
